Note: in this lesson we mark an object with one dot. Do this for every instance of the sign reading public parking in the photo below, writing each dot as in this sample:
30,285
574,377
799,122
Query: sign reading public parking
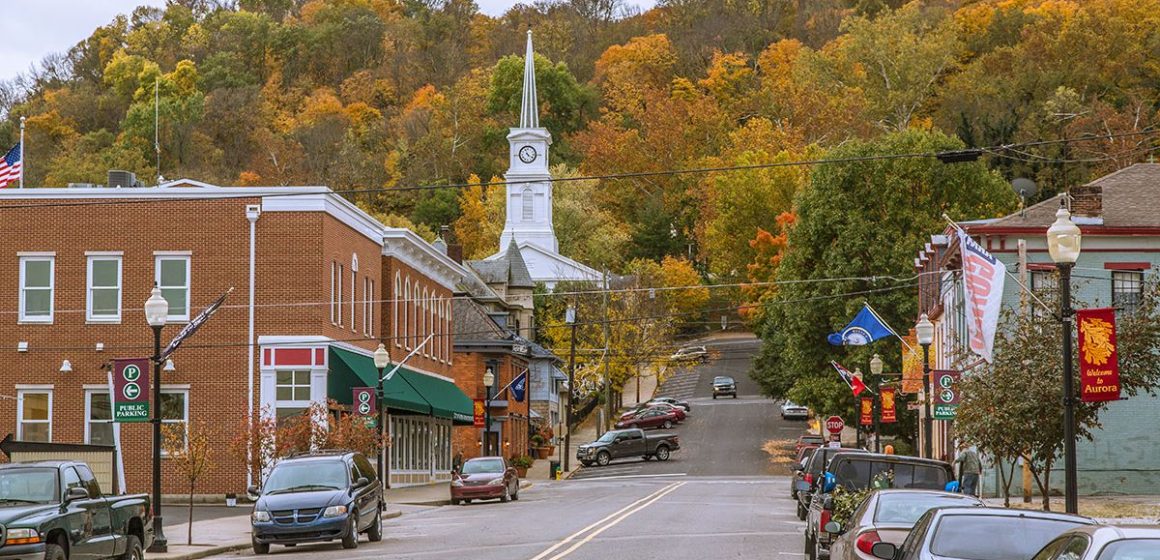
946,394
131,390
364,401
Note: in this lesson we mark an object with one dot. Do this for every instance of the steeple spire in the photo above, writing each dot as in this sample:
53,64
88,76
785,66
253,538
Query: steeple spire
530,106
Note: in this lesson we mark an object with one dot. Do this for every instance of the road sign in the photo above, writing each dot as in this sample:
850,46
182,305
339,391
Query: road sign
131,390
946,394
364,401
834,424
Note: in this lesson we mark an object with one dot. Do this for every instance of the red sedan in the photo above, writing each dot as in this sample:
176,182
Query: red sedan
649,418
485,478
680,412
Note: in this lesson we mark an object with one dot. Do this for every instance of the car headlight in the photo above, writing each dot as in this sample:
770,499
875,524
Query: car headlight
261,516
22,536
334,511
495,481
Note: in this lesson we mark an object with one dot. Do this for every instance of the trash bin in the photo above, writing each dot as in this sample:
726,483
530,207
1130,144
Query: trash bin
554,469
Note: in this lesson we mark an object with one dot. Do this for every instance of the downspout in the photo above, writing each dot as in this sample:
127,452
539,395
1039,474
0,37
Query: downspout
252,213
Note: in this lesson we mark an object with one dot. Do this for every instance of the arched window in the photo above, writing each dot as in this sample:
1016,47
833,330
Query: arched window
395,295
354,292
407,313
528,200
423,326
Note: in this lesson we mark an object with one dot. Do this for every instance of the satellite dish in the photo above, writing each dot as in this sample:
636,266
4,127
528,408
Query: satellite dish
1024,187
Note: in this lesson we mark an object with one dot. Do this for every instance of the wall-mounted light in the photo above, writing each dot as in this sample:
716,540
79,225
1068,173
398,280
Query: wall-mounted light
65,367
100,347
169,365
22,346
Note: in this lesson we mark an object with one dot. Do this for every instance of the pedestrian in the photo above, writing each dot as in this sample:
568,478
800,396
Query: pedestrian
457,462
969,469
889,450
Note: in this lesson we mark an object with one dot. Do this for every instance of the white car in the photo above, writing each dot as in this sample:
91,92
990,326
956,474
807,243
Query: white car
793,411
691,353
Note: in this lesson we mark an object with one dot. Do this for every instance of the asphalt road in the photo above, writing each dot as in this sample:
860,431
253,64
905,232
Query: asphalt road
719,497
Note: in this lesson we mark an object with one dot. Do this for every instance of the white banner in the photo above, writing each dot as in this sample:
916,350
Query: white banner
983,277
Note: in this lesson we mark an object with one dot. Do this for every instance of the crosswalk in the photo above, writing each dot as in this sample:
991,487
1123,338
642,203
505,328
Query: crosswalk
680,385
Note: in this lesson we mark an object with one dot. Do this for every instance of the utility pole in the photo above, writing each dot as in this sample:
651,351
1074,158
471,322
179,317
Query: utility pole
1024,307
607,377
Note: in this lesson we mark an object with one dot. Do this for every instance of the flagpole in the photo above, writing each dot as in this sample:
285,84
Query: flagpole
23,163
887,325
1007,272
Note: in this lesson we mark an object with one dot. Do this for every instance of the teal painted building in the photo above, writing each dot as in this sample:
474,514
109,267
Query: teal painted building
1119,217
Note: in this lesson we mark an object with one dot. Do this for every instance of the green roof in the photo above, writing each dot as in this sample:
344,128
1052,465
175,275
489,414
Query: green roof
408,390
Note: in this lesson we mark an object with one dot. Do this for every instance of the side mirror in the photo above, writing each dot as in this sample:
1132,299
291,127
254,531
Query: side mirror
829,482
884,550
252,493
361,482
76,494
833,527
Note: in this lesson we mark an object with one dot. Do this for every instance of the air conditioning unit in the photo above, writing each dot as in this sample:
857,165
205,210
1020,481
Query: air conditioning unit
123,179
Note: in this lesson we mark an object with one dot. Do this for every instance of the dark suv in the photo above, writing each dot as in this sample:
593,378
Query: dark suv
810,477
724,385
318,497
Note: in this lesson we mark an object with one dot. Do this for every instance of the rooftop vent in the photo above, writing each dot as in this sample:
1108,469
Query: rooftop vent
123,179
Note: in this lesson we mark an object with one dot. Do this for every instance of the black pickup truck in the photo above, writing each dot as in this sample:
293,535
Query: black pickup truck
54,510
632,442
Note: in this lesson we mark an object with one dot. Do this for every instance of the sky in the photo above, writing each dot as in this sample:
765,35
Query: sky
41,27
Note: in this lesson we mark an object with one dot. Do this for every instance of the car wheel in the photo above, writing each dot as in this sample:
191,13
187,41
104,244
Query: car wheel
454,501
714,397
586,463
375,533
667,425
467,500
792,494
663,453
516,494
603,458
350,537
132,549
734,395
801,512
259,548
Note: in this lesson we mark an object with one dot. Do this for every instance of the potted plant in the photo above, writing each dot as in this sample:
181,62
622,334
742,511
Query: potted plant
549,440
521,463
542,451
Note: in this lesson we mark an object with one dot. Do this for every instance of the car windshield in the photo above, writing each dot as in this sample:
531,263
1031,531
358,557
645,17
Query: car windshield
906,508
859,474
1132,549
307,476
480,466
28,486
994,537
607,437
723,380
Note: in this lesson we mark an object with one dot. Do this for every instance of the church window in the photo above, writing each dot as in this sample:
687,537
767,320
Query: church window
528,200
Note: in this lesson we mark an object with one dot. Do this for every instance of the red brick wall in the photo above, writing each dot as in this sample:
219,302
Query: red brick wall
412,332
468,374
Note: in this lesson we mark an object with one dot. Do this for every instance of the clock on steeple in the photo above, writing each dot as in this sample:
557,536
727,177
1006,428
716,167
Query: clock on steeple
528,154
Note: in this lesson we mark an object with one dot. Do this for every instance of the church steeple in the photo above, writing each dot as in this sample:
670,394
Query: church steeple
530,106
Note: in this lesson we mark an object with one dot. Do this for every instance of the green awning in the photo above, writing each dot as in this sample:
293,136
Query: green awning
408,390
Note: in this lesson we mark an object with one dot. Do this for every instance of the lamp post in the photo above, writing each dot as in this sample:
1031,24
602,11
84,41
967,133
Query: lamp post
876,370
156,313
1063,242
382,360
925,334
488,383
570,319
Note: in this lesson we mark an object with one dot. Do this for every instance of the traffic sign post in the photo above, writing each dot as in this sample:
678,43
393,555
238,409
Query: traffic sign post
946,394
130,390
364,401
834,425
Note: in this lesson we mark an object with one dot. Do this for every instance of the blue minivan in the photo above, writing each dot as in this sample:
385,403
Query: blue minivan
318,497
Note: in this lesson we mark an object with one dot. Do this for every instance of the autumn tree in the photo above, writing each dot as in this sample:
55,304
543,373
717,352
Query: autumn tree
190,448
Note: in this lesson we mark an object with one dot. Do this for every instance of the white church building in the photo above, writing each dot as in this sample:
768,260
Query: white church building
529,196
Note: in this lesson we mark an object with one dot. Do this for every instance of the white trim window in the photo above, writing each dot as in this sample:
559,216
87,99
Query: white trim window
175,409
291,393
368,307
34,415
172,274
333,292
338,300
103,303
1127,289
407,313
353,292
37,285
423,326
98,418
396,303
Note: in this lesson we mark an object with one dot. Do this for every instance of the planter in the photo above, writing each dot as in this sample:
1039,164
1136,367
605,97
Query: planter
543,452
522,472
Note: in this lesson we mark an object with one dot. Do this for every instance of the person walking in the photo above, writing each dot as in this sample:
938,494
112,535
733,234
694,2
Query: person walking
969,469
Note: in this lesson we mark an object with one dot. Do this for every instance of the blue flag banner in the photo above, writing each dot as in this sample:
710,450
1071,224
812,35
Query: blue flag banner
520,387
864,329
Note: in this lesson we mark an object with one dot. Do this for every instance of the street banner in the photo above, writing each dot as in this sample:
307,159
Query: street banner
888,415
1099,364
364,401
866,418
478,420
193,325
983,276
131,390
946,393
911,365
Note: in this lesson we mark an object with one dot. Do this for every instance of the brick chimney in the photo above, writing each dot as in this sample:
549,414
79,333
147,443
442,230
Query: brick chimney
454,250
1087,201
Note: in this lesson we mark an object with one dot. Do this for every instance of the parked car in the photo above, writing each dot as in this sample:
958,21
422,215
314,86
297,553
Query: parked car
724,385
678,411
971,533
809,439
888,516
55,510
672,401
811,476
799,471
617,444
318,497
649,418
1103,542
485,478
793,411
690,354
859,471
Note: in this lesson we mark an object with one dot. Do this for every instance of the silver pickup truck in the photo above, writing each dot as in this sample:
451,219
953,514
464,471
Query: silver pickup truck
633,442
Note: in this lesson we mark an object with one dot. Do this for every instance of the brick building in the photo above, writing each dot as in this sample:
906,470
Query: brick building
317,284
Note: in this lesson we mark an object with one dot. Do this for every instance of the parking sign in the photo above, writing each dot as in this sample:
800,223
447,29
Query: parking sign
364,401
131,390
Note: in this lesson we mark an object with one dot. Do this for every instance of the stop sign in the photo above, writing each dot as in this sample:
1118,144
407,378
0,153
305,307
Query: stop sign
834,424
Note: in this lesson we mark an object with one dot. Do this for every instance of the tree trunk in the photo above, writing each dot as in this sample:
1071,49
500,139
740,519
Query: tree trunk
189,535
1007,484
1004,481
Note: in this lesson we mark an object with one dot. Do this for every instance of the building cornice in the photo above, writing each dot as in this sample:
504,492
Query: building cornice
407,246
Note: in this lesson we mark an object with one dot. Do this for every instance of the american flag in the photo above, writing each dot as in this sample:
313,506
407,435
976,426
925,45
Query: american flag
10,166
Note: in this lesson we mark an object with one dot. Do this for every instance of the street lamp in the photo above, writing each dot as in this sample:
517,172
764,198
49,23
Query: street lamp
1063,242
570,319
925,331
876,370
382,360
488,383
156,313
